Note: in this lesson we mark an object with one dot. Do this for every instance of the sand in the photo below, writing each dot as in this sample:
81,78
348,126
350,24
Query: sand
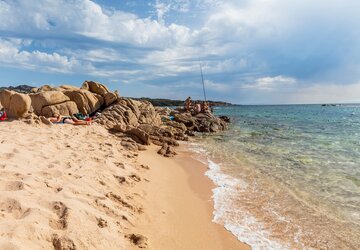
75,187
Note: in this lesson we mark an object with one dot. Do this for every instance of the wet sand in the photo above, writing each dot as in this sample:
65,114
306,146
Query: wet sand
180,205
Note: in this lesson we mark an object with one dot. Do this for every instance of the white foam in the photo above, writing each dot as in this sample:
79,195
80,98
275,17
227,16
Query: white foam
241,223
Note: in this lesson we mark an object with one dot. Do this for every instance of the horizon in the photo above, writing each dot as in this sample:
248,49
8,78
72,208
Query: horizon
253,52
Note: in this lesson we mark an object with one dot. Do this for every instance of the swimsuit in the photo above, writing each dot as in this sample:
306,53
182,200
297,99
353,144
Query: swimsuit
66,117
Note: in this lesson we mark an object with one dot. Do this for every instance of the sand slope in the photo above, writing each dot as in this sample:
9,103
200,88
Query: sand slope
65,186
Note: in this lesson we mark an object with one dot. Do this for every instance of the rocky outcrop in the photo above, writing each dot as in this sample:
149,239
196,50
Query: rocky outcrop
136,122
129,112
64,100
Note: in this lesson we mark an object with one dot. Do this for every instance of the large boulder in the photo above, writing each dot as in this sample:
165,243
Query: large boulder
19,105
110,98
65,108
5,96
95,87
138,135
87,102
47,98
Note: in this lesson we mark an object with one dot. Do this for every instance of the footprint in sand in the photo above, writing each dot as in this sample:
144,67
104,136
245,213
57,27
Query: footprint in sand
13,207
135,177
8,156
62,243
116,198
138,240
14,186
62,213
101,222
121,179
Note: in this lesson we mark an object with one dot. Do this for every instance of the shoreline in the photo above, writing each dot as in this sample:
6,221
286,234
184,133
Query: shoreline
184,211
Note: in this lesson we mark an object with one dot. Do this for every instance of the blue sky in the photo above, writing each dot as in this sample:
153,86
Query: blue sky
252,51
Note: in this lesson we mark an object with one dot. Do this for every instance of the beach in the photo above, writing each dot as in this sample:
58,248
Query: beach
76,187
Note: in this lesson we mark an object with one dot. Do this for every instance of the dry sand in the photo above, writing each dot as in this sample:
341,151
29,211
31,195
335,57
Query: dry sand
75,187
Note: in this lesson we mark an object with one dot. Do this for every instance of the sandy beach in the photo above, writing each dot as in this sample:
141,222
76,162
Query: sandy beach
76,187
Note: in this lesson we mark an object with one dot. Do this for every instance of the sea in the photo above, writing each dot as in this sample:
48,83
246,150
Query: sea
287,176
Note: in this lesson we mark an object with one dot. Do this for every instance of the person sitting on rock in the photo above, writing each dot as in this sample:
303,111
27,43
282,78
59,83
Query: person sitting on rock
57,118
204,107
197,108
188,104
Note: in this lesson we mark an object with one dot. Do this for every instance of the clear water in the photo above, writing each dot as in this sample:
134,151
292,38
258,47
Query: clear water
288,176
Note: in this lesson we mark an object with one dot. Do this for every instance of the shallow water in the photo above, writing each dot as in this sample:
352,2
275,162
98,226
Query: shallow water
288,176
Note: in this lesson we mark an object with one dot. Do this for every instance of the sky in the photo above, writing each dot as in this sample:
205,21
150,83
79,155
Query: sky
251,51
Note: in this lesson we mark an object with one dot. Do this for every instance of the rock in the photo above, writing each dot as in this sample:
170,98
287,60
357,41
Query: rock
166,151
110,98
66,108
225,118
139,135
133,105
42,99
95,87
86,102
45,121
148,114
177,125
68,87
129,144
45,88
186,119
5,97
119,128
19,105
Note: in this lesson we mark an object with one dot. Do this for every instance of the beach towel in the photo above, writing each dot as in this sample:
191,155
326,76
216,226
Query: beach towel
3,116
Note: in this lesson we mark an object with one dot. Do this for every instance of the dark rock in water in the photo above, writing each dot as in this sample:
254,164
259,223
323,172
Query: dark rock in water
225,118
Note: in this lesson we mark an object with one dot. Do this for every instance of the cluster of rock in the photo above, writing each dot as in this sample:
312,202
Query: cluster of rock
64,100
136,122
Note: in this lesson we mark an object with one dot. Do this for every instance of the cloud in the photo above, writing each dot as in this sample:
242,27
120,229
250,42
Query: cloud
11,54
83,18
270,83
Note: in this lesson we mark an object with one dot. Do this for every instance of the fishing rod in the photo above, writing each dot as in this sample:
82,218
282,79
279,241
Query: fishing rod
203,83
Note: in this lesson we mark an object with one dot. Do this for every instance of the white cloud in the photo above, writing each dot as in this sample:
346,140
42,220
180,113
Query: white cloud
325,93
84,17
270,83
11,54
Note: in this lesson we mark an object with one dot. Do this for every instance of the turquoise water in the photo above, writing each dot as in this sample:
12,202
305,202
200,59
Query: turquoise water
288,176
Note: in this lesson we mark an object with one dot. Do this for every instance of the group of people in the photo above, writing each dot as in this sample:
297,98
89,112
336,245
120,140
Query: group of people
57,118
197,107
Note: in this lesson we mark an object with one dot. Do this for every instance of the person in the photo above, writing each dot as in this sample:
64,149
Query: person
204,107
197,107
188,104
57,118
